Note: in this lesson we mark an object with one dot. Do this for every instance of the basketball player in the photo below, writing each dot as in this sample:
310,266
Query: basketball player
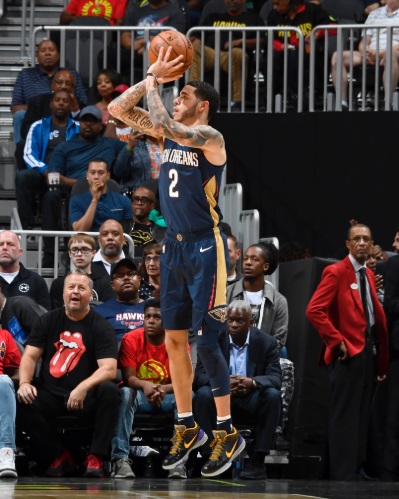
193,260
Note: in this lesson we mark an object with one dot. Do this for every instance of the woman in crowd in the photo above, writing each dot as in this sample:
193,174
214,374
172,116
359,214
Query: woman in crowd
149,271
108,86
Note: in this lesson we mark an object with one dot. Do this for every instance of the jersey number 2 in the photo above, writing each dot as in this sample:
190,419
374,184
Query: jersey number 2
174,176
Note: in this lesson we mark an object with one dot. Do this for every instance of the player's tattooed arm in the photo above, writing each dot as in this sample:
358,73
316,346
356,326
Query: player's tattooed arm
127,100
124,108
201,137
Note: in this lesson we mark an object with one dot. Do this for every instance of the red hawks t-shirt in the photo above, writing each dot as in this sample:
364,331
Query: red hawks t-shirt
150,361
9,353
108,9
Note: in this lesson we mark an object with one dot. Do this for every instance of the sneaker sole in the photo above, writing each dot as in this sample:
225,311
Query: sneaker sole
183,460
227,465
177,475
123,476
8,473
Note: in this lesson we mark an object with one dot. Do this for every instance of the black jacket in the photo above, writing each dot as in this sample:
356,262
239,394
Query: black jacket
263,360
27,283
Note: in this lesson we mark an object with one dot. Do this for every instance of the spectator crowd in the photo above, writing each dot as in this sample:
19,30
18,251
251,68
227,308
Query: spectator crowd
92,345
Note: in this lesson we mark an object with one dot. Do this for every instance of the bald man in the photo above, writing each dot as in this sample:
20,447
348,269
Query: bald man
15,279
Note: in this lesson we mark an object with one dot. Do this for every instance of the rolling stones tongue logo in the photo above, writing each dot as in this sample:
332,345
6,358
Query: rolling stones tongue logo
70,349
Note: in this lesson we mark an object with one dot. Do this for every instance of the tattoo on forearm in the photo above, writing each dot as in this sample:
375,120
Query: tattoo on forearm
175,130
130,98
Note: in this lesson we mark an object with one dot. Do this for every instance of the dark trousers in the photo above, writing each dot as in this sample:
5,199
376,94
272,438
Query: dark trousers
391,441
27,184
100,412
261,408
350,407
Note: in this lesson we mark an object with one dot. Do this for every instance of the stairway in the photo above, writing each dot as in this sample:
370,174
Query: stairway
13,57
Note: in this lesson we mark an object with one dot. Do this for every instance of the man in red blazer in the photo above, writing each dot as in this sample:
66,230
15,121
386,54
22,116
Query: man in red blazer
355,351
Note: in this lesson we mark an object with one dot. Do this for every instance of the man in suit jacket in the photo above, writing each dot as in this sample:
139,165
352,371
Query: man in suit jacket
255,382
355,349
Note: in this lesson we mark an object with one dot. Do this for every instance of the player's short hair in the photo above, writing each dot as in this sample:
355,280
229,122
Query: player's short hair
205,91
81,237
152,303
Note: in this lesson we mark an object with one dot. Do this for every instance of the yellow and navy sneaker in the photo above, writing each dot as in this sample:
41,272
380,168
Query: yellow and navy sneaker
184,441
226,447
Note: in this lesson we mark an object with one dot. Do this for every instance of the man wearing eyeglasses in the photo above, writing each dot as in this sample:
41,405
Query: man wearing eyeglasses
81,250
145,230
348,316
125,313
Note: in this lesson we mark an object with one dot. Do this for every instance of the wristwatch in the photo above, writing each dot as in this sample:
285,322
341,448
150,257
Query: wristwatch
255,384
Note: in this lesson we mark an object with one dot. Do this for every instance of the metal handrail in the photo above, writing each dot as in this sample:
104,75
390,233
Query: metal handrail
269,30
351,29
105,30
40,234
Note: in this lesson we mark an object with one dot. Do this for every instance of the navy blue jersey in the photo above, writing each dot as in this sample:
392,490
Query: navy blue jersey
189,189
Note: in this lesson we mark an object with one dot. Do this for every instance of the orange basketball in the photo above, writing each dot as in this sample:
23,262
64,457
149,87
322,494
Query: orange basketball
180,44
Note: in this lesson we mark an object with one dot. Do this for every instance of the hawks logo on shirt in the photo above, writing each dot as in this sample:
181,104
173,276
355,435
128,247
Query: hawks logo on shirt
70,349
97,8
154,371
131,320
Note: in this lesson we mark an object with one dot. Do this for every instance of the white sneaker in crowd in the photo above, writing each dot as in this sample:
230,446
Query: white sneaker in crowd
178,472
7,463
121,468
142,451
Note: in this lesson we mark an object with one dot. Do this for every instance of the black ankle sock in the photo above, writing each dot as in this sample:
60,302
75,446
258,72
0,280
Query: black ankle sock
226,425
187,421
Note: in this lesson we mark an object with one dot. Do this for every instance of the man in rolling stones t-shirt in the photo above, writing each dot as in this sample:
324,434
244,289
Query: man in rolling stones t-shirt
78,349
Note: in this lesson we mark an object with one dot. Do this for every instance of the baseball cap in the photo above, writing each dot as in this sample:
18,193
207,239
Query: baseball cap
91,110
121,88
124,262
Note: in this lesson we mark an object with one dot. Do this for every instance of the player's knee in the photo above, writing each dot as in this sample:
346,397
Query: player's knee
175,343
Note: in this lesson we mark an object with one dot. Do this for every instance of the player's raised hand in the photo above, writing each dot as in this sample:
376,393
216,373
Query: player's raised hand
163,67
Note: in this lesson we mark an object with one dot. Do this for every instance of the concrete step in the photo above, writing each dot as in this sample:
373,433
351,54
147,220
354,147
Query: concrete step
8,74
6,41
13,60
5,100
41,19
6,90
7,181
6,206
5,112
6,135
11,33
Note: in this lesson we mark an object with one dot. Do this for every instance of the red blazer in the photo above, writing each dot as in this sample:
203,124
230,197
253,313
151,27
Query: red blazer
336,312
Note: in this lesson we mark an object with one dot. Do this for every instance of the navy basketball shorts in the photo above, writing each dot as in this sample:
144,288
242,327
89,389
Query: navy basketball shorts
193,280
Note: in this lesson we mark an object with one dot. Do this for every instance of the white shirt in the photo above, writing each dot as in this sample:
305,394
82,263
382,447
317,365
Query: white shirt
98,257
9,276
381,16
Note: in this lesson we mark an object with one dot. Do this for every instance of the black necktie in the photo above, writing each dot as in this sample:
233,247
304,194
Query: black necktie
363,294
